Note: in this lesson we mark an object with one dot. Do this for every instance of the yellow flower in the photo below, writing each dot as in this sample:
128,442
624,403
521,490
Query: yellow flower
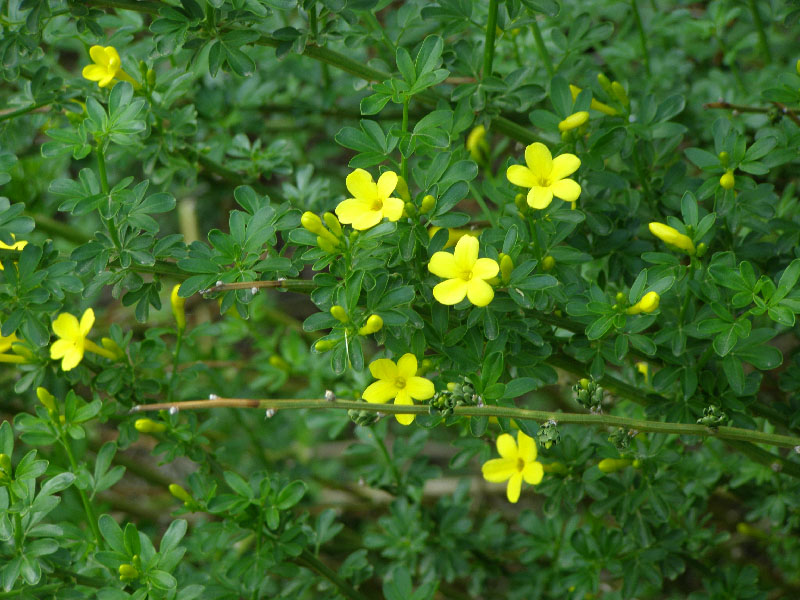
672,236
7,341
371,201
106,68
574,120
545,176
453,235
465,274
516,463
595,105
15,246
477,145
644,369
72,340
398,382
647,304
727,180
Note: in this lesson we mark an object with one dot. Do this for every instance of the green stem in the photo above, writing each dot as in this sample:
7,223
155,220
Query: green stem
19,112
395,471
87,505
42,589
487,214
171,385
312,20
542,49
308,560
109,223
540,416
488,45
404,129
642,36
762,35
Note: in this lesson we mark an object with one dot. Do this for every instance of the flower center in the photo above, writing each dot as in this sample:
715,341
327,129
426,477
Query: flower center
377,204
466,275
520,465
545,182
400,382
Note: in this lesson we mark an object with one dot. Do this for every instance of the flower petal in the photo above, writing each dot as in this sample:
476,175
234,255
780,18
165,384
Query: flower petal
407,366
71,359
66,326
466,252
540,197
533,473
114,61
479,292
87,320
383,368
349,210
368,219
393,208
566,189
514,488
380,392
521,176
387,182
564,165
106,81
507,447
420,388
443,264
451,291
61,348
360,184
98,54
527,447
404,398
498,470
539,160
94,72
485,268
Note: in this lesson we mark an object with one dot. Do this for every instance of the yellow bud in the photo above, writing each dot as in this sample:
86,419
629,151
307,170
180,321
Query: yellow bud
326,245
611,465
149,426
506,266
151,78
46,398
605,83
584,383
311,222
636,463
595,105
647,304
339,313
797,67
112,346
424,366
701,249
727,180
428,203
333,224
723,157
451,386
672,236
278,362
554,467
644,369
409,210
128,572
749,530
620,94
619,298
520,202
573,121
62,419
5,464
402,189
180,493
477,145
178,308
373,324
548,262
323,345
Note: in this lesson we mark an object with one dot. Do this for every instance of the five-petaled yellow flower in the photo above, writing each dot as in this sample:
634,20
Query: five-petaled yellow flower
465,274
515,464
398,382
15,246
546,176
72,340
106,68
371,201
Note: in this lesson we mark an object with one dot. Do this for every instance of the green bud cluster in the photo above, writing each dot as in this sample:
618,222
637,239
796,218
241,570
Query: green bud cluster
713,416
622,438
461,393
589,395
365,418
548,435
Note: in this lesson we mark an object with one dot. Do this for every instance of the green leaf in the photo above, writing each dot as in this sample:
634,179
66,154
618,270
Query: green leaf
519,386
787,282
429,56
290,495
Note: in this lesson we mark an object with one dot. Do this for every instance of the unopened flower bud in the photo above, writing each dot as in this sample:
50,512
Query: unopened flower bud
595,105
797,66
611,465
149,426
113,347
278,362
584,383
573,121
506,266
424,366
409,210
477,146
333,224
548,262
620,94
47,399
374,324
727,180
324,345
150,77
178,308
427,205
128,572
647,304
180,493
723,158
339,313
643,368
672,236
554,467
5,464
311,222
326,245
619,298
701,249
402,189
521,203
605,83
